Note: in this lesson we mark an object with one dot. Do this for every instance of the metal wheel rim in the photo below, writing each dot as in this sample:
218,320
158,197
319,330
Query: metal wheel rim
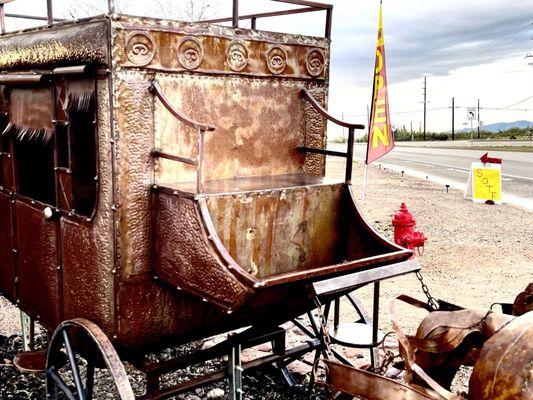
102,345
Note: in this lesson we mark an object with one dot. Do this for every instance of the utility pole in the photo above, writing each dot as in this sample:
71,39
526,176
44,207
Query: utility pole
453,118
425,103
412,135
478,122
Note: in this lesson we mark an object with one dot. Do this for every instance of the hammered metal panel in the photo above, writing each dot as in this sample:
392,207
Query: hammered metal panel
184,258
87,283
134,171
315,128
69,44
38,286
7,276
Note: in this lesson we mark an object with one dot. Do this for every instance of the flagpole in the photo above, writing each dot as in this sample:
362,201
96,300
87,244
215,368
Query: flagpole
369,114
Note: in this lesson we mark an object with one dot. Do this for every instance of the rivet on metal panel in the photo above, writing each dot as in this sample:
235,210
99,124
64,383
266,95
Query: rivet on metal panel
114,207
258,285
154,187
114,271
175,192
179,288
15,251
59,267
210,237
96,178
17,281
204,300
229,312
156,277
33,203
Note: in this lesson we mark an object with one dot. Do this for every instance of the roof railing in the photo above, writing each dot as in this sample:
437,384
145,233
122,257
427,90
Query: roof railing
306,6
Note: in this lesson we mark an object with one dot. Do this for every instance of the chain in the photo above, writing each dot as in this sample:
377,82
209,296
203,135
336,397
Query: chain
388,357
432,302
326,340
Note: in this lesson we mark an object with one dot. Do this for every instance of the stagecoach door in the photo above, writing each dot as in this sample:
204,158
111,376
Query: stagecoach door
48,176
34,216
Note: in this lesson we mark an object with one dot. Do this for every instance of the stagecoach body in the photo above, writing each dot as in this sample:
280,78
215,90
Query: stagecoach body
157,230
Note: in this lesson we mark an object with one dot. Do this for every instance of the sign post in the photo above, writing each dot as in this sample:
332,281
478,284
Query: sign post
471,115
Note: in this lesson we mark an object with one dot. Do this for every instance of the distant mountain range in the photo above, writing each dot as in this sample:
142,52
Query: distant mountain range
503,126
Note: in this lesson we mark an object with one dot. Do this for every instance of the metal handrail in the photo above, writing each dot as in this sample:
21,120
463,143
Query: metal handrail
351,133
156,89
317,106
202,128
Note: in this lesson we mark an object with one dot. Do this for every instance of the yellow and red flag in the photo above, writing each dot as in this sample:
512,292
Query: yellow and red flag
380,138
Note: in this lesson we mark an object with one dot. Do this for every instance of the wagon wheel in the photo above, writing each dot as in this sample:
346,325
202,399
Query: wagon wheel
82,338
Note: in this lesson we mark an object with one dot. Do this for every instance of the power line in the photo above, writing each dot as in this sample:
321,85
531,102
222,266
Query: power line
520,102
505,52
489,46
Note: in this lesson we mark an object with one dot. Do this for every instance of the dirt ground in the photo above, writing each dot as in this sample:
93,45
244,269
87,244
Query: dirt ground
475,254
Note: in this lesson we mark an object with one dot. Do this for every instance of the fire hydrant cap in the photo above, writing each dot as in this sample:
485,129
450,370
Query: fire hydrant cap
403,217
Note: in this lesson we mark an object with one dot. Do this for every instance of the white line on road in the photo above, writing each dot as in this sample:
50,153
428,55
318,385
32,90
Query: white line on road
507,198
461,169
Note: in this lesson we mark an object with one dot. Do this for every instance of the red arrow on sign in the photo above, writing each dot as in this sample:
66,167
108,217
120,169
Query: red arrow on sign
485,159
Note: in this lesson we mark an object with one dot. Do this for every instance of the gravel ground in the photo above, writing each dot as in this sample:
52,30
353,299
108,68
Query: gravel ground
476,255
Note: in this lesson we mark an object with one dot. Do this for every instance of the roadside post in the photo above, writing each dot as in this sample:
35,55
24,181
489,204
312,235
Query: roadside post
471,115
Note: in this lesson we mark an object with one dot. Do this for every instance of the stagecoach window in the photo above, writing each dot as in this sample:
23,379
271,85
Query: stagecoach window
35,170
62,146
83,159
30,126
77,145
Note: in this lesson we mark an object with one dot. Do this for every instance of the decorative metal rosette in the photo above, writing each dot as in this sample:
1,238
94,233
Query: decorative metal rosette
190,53
237,56
140,48
276,60
315,62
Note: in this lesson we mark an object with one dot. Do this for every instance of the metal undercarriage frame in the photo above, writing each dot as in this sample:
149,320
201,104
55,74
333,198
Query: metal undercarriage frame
328,291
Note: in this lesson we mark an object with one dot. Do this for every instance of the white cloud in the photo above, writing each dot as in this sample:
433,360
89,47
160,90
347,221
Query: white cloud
472,50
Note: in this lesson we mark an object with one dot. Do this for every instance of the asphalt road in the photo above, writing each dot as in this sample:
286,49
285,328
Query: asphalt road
452,166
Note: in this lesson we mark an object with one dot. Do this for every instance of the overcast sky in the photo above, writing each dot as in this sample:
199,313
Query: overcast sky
467,49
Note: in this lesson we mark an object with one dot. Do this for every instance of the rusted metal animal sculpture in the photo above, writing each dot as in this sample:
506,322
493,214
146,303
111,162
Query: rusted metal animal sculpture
499,347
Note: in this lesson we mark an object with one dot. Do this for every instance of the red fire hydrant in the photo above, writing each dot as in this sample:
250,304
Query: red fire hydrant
404,230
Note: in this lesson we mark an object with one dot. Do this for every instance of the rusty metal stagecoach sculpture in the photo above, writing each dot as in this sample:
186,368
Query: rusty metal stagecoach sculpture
162,182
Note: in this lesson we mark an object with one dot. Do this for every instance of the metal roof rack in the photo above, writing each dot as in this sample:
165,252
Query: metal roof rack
306,6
